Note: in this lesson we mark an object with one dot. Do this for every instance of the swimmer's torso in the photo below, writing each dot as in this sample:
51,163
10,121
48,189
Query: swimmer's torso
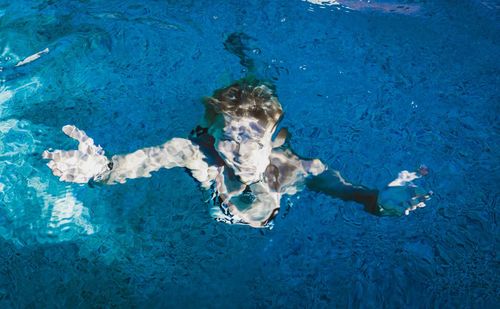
256,203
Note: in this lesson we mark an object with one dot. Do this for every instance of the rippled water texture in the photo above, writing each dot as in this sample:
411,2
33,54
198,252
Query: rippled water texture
371,87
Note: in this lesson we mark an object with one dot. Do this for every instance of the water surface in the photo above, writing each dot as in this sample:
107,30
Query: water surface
370,87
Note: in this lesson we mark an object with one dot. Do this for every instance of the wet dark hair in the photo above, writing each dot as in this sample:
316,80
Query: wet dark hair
245,99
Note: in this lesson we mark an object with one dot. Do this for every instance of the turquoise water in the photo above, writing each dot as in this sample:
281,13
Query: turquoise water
370,88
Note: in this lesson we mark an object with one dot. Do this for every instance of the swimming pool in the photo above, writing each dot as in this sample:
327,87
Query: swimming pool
369,87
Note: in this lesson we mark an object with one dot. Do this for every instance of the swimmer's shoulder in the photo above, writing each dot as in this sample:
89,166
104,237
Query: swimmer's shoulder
288,170
200,137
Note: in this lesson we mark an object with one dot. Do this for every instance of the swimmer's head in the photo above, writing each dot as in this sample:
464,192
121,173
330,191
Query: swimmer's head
242,119
247,100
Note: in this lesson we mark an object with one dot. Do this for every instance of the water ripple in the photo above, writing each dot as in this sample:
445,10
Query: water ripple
34,207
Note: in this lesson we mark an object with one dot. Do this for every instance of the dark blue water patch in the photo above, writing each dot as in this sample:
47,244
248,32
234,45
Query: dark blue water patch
367,91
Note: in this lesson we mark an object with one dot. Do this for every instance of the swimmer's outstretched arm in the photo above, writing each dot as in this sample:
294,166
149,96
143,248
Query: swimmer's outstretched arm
89,163
330,182
397,198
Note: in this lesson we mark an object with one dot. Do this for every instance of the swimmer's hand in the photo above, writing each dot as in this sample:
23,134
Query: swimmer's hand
79,166
402,196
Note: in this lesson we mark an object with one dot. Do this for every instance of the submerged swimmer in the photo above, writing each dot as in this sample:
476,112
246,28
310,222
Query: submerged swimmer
234,157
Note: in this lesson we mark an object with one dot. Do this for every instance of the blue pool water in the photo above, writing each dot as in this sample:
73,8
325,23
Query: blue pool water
371,88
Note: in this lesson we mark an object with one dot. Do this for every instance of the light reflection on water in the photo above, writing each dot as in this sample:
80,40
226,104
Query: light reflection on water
65,214
387,6
34,207
50,65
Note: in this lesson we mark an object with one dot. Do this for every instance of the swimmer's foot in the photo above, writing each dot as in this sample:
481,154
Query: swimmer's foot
402,196
237,44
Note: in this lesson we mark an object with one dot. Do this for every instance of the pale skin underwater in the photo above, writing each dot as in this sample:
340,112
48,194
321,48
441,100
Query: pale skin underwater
233,153
237,157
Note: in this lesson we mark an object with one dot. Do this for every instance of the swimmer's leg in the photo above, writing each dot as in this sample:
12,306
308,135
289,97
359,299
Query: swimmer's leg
237,43
257,71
